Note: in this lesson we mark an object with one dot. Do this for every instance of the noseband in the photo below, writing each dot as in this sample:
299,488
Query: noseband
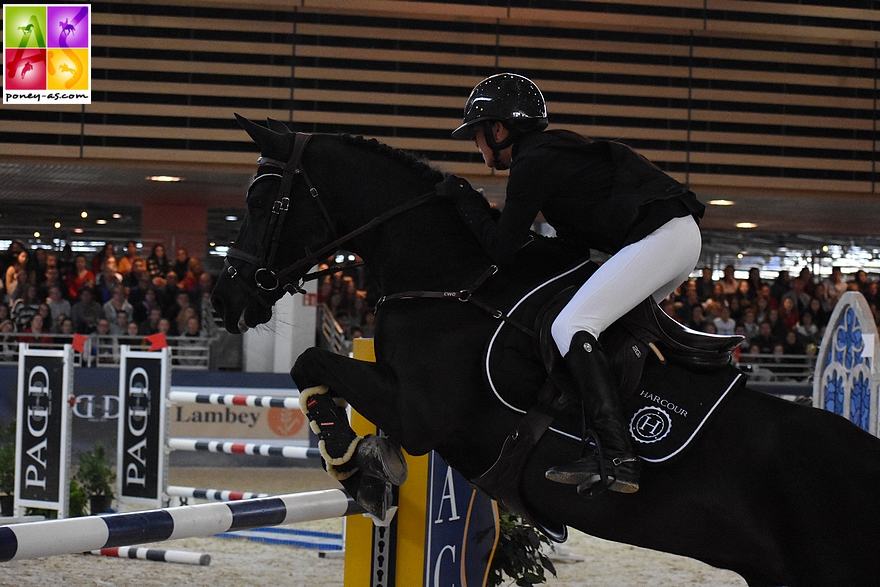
266,277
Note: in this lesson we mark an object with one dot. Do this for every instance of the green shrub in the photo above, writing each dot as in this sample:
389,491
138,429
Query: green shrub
78,500
7,459
94,473
519,553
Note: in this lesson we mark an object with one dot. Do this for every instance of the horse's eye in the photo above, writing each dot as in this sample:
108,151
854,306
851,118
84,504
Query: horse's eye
256,203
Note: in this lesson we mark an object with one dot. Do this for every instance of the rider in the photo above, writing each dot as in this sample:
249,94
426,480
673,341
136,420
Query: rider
596,194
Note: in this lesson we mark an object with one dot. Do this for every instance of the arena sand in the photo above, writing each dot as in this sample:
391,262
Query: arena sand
244,563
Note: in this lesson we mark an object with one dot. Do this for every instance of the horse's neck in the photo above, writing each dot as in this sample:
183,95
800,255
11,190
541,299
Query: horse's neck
426,248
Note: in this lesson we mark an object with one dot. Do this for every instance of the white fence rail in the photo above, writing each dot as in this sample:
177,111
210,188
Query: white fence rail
781,370
190,353
195,353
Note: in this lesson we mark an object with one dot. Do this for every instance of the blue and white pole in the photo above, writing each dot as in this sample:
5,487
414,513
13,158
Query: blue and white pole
74,535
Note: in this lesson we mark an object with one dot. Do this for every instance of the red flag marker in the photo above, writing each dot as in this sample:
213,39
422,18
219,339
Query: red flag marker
157,341
79,342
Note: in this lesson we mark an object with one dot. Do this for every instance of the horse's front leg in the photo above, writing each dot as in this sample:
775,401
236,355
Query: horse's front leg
366,466
371,388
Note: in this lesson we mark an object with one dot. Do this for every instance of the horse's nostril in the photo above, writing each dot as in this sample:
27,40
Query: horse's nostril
242,326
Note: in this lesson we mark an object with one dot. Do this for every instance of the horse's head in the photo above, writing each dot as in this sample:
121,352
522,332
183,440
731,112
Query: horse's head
283,232
376,200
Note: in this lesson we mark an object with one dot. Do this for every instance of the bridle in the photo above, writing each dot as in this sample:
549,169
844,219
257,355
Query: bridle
266,276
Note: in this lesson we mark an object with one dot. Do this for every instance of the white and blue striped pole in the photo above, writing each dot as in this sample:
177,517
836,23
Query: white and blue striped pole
74,535
212,494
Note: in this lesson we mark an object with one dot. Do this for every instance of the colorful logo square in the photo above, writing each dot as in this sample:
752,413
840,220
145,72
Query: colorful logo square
67,69
47,55
27,68
24,26
68,26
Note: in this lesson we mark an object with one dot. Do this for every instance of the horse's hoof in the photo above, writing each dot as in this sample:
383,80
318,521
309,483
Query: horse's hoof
374,495
377,456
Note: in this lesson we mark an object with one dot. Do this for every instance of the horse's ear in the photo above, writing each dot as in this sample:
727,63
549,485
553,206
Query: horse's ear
269,141
278,126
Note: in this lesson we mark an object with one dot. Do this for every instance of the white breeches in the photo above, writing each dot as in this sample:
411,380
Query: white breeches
653,266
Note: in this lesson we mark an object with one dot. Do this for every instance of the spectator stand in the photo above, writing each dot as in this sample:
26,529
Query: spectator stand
331,334
788,376
846,380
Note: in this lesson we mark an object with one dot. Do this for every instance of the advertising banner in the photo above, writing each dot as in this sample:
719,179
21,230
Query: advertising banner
462,529
42,454
275,425
144,381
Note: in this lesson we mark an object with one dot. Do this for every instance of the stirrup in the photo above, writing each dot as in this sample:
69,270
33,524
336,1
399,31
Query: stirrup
612,481
573,473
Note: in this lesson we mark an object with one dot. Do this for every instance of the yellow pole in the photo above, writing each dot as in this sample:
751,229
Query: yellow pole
411,515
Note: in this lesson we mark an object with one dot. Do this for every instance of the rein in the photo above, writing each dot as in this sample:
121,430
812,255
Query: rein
266,277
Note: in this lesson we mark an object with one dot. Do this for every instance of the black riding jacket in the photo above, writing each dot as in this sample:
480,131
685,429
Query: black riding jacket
600,195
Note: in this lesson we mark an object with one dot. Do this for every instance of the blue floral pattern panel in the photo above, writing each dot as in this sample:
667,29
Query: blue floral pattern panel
844,382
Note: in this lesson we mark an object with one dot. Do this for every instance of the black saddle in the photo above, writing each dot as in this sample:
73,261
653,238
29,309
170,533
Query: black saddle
676,342
646,328
628,343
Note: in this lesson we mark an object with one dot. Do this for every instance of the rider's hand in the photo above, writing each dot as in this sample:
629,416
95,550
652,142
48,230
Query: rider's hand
453,188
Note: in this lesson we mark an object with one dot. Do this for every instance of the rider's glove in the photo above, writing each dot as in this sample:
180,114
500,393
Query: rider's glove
453,188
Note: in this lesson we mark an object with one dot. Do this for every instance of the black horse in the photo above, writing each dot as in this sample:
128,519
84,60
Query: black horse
780,493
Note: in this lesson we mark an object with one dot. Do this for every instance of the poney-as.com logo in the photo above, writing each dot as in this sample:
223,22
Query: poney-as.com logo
47,54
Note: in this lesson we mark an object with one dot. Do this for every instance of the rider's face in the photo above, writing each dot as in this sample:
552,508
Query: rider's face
504,156
485,151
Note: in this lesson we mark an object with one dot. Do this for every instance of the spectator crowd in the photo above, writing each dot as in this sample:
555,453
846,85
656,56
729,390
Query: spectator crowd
107,294
785,316
46,293
344,295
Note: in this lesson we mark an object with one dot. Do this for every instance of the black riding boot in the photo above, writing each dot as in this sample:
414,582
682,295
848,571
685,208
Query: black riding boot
366,466
591,374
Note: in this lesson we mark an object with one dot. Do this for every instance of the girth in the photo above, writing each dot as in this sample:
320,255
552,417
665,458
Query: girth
462,295
502,481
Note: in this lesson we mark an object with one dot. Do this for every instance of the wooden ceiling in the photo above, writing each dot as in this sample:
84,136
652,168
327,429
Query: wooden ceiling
772,105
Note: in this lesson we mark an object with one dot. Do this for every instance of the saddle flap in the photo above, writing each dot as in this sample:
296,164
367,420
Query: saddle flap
547,348
673,406
626,354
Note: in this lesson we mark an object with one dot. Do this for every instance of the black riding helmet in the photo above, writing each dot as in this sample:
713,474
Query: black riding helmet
509,98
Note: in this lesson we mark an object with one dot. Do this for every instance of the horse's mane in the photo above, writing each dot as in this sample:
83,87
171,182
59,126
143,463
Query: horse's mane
407,158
